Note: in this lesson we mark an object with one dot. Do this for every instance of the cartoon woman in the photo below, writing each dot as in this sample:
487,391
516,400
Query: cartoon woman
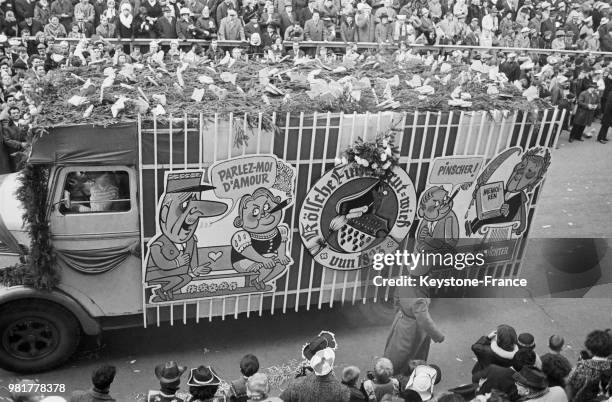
260,246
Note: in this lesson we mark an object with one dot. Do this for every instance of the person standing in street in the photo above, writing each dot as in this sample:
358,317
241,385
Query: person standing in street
606,121
588,101
412,330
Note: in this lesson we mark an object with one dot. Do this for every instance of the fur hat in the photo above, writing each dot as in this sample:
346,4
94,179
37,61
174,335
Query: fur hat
532,378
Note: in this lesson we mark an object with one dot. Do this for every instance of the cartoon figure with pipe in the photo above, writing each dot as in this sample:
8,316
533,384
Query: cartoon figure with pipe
172,260
514,200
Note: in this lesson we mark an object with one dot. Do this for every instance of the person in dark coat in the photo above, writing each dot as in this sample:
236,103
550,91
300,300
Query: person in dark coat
125,24
499,348
588,101
287,18
606,121
166,25
607,79
347,29
412,330
501,378
511,68
101,378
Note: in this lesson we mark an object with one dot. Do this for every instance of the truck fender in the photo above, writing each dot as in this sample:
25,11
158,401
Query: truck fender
89,325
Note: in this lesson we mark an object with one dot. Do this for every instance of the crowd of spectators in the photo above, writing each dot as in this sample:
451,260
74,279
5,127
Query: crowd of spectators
32,44
562,24
507,369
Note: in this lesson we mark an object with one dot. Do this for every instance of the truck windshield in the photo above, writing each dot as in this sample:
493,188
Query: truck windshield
97,191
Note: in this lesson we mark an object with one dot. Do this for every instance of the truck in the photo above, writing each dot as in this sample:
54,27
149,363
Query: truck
188,218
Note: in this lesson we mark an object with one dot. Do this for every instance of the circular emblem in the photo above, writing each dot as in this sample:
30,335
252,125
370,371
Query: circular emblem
348,216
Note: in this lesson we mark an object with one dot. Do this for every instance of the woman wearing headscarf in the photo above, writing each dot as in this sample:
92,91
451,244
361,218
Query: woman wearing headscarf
125,25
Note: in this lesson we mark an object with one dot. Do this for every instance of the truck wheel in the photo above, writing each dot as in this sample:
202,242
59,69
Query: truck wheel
36,337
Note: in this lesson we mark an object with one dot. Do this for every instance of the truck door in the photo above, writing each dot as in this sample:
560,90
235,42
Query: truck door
95,232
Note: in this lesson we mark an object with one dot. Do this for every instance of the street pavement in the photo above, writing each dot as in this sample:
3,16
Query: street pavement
576,203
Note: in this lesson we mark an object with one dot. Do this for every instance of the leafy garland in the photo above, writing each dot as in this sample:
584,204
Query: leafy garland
36,268
376,158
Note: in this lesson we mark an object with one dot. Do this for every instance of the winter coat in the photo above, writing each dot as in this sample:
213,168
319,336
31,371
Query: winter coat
488,352
585,116
412,330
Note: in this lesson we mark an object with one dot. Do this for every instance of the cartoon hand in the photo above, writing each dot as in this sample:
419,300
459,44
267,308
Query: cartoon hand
183,259
284,260
269,263
466,186
202,269
505,210
254,267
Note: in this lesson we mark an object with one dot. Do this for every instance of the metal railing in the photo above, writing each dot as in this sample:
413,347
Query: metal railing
340,44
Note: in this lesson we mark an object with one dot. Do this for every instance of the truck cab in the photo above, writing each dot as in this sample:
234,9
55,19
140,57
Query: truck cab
39,328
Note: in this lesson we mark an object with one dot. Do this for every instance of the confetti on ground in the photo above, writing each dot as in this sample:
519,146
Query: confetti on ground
545,226
136,371
570,223
132,361
569,189
458,359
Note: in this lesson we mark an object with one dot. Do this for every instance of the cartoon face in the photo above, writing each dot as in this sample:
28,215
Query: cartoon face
437,206
180,212
525,174
256,216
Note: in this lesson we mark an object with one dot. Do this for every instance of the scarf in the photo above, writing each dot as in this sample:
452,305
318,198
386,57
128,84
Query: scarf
126,21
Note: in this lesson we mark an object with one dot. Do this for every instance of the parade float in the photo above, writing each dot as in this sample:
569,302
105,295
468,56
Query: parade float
245,188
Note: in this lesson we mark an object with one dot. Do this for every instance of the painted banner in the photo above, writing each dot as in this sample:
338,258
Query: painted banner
349,215
467,207
223,235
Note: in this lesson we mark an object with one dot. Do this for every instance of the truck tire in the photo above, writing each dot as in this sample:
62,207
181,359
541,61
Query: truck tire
36,335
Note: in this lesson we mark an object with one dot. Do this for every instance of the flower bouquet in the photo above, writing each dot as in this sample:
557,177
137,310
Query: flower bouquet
377,158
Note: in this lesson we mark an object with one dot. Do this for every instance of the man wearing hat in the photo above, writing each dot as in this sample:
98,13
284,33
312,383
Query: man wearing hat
384,31
231,27
588,102
165,27
321,385
172,259
203,384
169,376
490,24
288,17
548,23
559,42
185,28
306,12
522,39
